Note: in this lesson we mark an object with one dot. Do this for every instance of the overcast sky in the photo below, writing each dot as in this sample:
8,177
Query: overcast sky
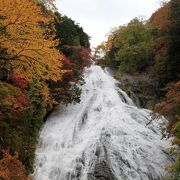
98,17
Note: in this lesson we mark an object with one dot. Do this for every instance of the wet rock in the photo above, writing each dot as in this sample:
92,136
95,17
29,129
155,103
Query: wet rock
102,172
102,169
142,89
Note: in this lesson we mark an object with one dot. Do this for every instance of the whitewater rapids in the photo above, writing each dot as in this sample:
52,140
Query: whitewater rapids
105,137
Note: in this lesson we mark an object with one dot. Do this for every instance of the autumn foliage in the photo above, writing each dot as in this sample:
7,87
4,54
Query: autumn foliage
11,167
36,74
160,19
170,107
76,55
25,41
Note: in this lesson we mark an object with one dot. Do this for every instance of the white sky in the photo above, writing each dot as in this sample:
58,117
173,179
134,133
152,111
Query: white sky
98,17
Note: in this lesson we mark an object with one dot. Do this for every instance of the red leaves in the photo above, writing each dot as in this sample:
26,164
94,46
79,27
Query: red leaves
66,63
69,74
84,53
80,59
79,52
18,81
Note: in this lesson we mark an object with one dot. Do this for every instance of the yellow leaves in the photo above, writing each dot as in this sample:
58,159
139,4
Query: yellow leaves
45,93
46,96
24,36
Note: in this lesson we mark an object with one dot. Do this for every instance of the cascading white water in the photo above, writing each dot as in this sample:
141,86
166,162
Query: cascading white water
105,137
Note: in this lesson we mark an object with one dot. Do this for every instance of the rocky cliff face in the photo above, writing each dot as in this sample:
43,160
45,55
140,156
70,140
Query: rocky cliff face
101,170
141,88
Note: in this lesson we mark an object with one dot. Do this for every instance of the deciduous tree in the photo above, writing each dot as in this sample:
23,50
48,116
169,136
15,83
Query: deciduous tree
25,44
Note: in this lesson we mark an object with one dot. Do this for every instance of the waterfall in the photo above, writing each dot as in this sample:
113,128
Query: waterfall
104,137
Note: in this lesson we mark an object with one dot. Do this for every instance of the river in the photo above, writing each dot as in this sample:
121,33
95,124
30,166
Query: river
104,137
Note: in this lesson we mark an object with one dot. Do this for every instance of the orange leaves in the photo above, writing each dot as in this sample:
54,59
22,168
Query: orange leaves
160,22
171,106
24,37
174,92
11,167
160,19
172,99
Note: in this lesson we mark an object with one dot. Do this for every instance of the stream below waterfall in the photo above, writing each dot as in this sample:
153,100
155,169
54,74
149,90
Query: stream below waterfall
104,137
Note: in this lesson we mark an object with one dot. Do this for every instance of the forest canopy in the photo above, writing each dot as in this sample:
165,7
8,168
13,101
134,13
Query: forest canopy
41,54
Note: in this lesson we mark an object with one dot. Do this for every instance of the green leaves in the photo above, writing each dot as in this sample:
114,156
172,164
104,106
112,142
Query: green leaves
133,46
69,32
